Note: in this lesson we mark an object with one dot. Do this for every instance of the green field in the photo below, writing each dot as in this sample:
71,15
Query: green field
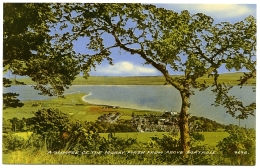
145,80
73,105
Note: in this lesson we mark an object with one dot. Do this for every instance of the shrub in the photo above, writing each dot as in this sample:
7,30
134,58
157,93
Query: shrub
47,120
197,136
240,146
13,142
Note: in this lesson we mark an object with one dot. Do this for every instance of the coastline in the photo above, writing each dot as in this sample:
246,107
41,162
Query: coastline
123,107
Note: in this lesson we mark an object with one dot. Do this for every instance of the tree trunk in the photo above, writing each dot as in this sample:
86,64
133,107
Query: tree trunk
183,122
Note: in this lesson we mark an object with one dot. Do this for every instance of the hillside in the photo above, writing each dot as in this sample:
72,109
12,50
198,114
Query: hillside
144,80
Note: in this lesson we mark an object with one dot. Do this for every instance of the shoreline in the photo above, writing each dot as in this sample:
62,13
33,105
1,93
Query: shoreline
123,107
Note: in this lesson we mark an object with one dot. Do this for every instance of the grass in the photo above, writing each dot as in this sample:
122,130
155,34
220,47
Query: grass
24,135
145,80
211,138
73,105
42,157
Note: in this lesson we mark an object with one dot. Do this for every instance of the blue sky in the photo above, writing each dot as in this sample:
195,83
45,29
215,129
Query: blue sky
126,64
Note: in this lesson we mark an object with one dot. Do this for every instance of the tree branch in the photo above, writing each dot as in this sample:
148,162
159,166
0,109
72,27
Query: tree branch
158,66
212,67
246,77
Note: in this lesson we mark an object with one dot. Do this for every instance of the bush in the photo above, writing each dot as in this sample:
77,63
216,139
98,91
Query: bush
46,120
197,136
167,142
240,146
13,142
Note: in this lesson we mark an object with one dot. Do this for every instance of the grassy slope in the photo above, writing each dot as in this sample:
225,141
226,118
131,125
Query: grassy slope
83,111
144,80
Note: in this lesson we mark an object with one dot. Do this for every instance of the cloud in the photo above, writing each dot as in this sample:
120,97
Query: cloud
224,10
217,10
125,68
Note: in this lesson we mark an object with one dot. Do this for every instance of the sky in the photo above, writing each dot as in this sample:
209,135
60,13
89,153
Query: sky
126,64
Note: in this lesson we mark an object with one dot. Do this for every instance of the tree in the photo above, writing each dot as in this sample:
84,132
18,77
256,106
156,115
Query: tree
50,124
29,47
187,43
7,126
48,120
10,100
14,122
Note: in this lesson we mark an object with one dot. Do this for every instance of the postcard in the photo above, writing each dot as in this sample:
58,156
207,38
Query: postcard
129,84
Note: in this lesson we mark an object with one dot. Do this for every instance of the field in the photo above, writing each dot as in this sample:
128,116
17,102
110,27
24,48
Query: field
73,105
230,78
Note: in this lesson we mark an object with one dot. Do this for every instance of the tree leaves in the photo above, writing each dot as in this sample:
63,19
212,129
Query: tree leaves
10,100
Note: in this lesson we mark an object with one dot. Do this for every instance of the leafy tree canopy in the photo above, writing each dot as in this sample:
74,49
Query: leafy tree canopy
30,48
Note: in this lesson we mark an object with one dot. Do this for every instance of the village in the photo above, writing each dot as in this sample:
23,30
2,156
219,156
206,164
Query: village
167,122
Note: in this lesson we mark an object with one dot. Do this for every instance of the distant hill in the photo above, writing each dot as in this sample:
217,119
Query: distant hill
144,80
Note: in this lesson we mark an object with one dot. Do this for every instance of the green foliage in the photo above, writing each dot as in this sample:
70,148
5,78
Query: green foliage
59,133
205,124
48,120
7,126
18,125
117,144
25,28
30,48
239,146
187,43
7,82
105,127
210,157
233,105
13,142
197,136
79,138
167,143
10,100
